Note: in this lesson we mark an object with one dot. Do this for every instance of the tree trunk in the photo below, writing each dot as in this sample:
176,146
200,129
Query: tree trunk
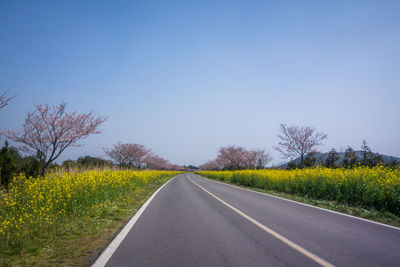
302,161
42,171
43,167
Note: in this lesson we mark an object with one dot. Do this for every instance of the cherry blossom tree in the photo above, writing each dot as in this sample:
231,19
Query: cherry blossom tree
262,158
118,153
156,162
49,131
232,157
298,141
130,155
212,165
249,159
138,154
236,158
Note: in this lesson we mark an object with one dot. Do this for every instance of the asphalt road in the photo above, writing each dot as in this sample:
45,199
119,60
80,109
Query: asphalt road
193,221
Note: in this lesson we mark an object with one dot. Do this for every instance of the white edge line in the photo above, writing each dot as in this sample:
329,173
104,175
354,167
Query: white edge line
278,236
112,247
304,204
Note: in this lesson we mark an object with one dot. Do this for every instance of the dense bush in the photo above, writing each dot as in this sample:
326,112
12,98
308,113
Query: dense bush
7,166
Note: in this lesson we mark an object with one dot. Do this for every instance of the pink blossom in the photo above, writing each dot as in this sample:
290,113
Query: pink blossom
48,131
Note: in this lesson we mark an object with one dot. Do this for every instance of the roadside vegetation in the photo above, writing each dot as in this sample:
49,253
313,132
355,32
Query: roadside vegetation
361,183
64,217
375,190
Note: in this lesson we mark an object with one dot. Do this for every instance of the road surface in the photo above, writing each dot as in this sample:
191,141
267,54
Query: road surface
193,221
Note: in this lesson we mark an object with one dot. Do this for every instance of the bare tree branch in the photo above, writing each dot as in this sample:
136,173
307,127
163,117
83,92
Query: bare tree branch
4,100
298,141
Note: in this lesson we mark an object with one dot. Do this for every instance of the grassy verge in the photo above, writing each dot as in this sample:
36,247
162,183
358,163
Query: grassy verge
355,210
77,240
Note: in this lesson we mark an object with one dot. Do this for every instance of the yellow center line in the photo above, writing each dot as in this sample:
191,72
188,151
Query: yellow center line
291,244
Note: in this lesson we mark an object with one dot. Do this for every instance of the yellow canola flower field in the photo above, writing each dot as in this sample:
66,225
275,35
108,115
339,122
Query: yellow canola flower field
34,204
377,187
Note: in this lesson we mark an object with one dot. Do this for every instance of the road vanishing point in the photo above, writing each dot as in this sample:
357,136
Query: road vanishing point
193,221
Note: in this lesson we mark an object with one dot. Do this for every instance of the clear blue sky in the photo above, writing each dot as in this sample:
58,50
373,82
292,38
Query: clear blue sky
185,79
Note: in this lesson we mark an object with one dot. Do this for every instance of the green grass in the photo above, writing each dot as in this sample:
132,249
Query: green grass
76,241
358,211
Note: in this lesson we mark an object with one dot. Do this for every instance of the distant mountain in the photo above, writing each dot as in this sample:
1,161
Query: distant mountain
321,157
